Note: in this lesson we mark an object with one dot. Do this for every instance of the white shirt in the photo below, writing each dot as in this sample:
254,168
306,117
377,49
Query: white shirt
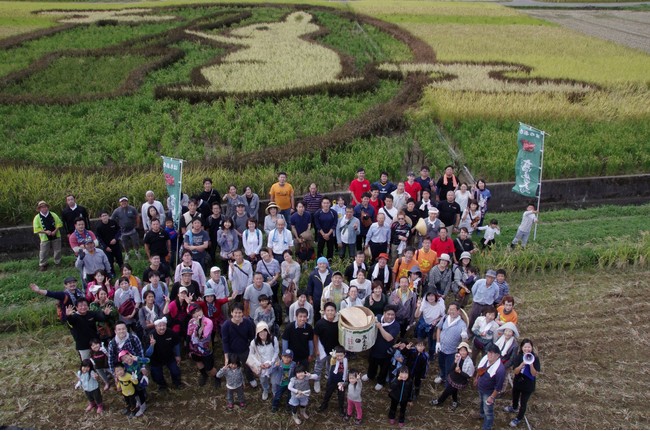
280,241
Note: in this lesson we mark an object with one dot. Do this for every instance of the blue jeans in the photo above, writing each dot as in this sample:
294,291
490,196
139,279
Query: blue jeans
158,376
351,250
421,333
279,391
446,363
486,411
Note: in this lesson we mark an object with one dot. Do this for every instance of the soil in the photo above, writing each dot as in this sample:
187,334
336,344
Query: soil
590,330
628,28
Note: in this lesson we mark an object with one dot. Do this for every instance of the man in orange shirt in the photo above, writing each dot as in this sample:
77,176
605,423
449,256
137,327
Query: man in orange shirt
282,194
404,264
426,257
507,311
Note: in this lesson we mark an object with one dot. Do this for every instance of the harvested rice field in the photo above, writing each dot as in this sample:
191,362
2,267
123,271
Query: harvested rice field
590,328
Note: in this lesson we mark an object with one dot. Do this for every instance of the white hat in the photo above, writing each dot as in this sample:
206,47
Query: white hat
466,255
445,256
215,269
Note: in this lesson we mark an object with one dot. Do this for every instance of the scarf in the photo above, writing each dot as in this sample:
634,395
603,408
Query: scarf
453,180
452,322
375,274
504,345
384,324
493,368
212,309
120,343
151,313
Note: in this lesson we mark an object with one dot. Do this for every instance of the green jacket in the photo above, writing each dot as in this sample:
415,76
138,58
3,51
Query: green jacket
38,226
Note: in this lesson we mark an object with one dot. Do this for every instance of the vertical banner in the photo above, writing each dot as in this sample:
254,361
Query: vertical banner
173,170
528,167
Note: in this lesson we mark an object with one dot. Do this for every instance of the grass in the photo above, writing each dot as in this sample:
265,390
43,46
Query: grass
580,386
85,75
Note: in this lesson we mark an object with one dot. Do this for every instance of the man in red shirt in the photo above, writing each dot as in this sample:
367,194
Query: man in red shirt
359,186
376,203
443,244
413,187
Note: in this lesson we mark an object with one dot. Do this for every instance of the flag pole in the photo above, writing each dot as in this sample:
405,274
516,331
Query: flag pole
539,186
178,199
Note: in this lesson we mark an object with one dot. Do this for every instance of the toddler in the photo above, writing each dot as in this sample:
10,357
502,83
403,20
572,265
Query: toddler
354,396
400,394
300,391
87,378
234,381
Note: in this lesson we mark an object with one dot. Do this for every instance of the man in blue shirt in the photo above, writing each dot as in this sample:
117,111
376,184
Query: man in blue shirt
384,186
484,292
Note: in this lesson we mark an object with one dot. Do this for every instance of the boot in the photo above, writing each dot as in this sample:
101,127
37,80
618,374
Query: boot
304,412
416,393
100,408
296,419
91,405
203,377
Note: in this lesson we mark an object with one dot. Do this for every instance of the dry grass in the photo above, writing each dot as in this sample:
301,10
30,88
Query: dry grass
591,330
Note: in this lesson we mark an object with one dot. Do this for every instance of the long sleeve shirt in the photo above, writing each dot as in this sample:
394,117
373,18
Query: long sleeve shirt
325,221
378,234
240,276
92,262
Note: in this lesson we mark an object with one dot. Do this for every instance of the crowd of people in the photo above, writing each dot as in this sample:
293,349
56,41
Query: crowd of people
264,293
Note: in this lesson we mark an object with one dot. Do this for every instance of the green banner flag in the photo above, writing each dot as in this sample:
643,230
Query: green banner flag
173,170
528,166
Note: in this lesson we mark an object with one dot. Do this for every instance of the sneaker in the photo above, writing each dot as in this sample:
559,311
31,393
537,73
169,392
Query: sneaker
265,395
230,406
391,421
364,378
141,410
401,424
296,419
454,406
126,257
379,387
100,409
514,422
242,404
346,417
137,254
253,383
321,408
357,421
438,380
435,403
317,386
510,409
304,413
203,379
90,406
130,414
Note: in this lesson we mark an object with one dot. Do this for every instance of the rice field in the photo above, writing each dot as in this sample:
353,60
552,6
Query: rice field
590,95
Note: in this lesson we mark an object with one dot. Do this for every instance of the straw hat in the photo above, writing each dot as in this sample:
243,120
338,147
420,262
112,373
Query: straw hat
271,205
41,204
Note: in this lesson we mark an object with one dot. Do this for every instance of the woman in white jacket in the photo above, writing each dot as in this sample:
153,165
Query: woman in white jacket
263,351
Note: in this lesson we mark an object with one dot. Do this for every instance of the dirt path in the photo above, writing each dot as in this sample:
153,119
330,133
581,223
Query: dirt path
627,28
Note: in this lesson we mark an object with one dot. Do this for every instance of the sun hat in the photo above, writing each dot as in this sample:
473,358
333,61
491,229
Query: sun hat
508,325
208,292
42,204
445,256
262,326
271,205
466,255
415,269
465,345
433,210
491,273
